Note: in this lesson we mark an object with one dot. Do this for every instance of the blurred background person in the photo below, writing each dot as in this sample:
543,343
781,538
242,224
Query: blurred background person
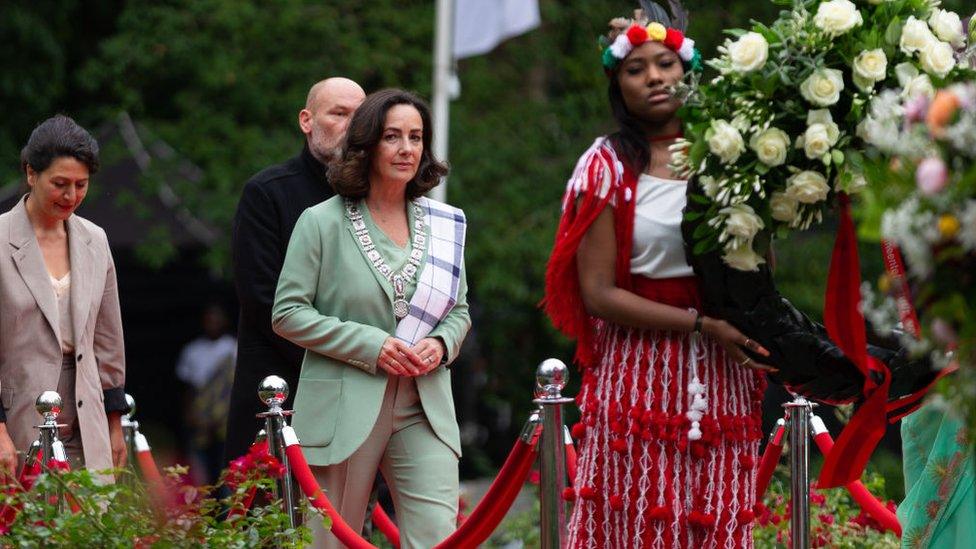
269,206
374,288
60,325
206,365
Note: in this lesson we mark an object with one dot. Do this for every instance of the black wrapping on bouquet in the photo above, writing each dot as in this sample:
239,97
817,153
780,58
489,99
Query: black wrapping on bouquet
809,363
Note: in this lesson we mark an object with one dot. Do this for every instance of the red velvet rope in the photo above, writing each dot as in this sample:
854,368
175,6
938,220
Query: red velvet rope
497,501
382,521
860,493
570,461
480,524
341,530
770,457
154,480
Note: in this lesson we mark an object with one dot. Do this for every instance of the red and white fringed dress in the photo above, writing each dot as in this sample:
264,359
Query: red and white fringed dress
670,427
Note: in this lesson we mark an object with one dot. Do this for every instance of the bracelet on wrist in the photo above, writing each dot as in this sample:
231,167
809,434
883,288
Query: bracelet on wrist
699,318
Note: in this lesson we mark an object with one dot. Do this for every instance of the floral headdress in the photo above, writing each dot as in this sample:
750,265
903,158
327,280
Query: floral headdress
646,26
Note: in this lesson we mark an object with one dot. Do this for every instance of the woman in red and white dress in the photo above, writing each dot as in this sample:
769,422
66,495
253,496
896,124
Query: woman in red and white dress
670,402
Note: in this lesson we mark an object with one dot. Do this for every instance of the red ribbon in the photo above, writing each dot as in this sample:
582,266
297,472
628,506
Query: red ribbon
845,325
903,295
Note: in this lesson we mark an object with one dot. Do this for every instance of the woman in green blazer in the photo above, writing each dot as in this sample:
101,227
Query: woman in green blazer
373,287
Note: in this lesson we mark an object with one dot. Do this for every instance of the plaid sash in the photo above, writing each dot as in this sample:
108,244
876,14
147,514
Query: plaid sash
437,288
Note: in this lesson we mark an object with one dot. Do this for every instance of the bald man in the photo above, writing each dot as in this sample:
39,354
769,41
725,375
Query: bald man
270,205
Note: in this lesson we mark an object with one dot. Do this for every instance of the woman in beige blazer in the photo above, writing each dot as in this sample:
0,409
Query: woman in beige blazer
60,327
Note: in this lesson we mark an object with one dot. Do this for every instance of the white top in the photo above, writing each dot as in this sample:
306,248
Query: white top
203,357
62,291
658,249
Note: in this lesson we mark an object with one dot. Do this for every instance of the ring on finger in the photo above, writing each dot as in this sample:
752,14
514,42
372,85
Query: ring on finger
748,342
746,361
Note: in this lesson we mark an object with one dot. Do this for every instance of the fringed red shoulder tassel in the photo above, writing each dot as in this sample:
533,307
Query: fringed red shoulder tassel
599,179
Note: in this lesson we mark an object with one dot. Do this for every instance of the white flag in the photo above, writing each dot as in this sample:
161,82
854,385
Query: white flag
480,25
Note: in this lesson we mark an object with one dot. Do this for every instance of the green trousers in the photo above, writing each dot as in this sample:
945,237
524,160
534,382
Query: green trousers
421,471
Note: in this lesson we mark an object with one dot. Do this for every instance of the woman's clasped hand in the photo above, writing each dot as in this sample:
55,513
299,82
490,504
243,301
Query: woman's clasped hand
398,358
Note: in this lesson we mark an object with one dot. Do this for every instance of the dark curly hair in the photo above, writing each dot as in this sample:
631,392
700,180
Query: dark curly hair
57,137
350,174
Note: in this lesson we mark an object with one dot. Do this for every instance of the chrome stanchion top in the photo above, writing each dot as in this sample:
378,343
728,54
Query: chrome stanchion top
550,378
130,404
48,404
273,391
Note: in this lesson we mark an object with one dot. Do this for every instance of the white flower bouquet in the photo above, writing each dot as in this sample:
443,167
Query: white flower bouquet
774,137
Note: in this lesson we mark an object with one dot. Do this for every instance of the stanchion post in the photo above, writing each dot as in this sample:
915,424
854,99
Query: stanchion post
799,412
129,429
48,405
273,391
551,378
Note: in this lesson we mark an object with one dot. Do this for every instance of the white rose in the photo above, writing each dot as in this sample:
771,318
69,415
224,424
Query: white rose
912,82
815,142
823,87
822,134
725,141
808,187
783,207
915,35
709,185
920,85
823,117
770,146
948,27
937,58
749,52
742,221
743,258
837,17
869,67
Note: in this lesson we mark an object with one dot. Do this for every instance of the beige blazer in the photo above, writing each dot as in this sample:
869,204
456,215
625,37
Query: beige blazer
30,351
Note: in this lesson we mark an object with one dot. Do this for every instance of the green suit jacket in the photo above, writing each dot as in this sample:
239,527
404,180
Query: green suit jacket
331,301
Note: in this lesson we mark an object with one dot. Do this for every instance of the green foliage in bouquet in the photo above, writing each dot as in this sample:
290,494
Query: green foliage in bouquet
925,202
774,137
835,519
122,515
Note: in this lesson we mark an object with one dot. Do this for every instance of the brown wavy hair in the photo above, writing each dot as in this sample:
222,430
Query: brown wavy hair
349,175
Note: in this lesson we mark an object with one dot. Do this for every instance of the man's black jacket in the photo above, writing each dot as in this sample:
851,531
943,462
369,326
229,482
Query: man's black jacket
269,207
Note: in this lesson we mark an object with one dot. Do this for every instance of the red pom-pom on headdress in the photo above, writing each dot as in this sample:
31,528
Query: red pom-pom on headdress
674,39
637,35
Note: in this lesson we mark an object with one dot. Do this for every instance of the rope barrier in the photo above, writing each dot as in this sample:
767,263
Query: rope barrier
858,491
382,521
314,493
570,461
770,457
490,511
480,524
150,472
774,449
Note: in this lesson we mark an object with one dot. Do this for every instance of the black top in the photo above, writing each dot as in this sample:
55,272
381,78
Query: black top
270,205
